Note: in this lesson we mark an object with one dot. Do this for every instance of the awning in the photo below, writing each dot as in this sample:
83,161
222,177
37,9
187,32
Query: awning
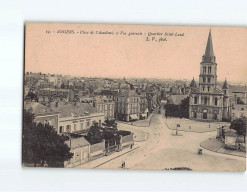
133,116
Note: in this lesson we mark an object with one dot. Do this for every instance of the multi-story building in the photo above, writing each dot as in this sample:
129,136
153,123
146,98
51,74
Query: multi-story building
127,105
208,102
54,94
72,117
105,105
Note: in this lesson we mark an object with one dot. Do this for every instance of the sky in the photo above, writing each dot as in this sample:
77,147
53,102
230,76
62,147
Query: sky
112,55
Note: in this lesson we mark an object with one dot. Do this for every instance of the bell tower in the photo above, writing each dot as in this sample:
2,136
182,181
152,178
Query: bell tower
208,69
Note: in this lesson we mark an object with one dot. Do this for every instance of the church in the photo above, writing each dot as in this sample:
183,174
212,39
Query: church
209,102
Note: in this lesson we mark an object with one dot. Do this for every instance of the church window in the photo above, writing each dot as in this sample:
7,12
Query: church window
195,100
215,101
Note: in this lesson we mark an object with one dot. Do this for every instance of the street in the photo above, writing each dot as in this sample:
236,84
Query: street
164,150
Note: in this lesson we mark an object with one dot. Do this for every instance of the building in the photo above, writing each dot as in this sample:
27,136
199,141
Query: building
238,111
208,102
43,114
105,105
76,117
72,117
127,105
80,147
54,94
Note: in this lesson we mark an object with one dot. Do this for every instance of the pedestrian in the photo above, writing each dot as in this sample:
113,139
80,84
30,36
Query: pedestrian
123,164
45,164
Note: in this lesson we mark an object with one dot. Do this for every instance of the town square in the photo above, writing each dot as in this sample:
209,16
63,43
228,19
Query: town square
133,122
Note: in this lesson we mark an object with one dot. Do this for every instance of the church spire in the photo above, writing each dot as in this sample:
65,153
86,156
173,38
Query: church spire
209,52
209,57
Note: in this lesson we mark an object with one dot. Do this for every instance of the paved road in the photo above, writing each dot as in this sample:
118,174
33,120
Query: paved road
164,150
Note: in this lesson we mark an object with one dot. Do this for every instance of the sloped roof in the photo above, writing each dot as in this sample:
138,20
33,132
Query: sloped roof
37,108
77,142
72,109
64,109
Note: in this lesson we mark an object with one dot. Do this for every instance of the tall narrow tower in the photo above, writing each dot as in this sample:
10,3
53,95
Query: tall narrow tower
208,69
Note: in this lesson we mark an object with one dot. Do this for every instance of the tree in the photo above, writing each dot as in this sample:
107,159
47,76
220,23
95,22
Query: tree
95,134
42,143
240,126
184,109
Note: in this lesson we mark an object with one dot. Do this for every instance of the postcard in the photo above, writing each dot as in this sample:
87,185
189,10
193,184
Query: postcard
135,97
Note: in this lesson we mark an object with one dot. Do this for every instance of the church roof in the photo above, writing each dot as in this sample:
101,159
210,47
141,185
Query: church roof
225,85
193,83
209,52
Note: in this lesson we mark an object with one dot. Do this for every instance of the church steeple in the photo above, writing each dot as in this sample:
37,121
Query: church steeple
209,52
209,48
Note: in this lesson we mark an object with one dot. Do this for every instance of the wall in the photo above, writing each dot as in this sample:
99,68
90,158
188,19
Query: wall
97,150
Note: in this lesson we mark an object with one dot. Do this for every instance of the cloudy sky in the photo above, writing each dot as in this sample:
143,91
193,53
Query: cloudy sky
121,55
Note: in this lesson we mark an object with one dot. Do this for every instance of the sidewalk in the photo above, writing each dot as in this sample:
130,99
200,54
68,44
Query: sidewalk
105,159
215,145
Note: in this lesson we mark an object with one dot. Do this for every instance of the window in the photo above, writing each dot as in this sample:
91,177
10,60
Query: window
205,100
68,128
195,100
75,127
88,123
208,88
209,70
99,122
204,80
61,129
209,80
81,126
215,101
203,88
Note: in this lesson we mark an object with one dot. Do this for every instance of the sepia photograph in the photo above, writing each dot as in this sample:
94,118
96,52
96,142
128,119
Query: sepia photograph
134,97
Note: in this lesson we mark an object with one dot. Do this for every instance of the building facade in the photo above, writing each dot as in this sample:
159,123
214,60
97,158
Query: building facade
208,102
105,105
127,105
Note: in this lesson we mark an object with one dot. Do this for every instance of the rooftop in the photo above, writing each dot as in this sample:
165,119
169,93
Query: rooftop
64,109
77,142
